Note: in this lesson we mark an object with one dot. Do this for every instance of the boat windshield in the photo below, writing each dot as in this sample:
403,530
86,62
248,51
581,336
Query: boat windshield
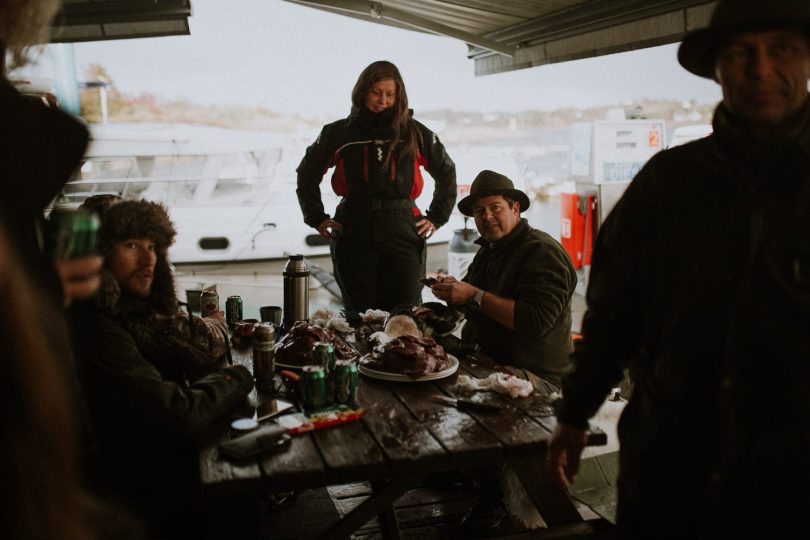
175,180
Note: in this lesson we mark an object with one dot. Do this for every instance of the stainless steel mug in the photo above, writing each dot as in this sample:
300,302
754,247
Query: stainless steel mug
270,314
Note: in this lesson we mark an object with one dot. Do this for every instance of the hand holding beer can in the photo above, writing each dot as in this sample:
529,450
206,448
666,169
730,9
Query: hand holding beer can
73,233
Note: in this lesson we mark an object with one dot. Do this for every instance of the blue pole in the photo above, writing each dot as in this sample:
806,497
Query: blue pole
65,84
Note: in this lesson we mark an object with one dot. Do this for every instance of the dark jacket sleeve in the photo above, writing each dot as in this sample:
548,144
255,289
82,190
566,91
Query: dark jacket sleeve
547,281
133,387
613,325
313,166
42,147
443,171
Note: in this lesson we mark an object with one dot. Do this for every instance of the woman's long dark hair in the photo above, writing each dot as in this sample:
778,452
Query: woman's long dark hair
403,126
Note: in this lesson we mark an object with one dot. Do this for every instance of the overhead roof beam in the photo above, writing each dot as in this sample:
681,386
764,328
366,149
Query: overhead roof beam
110,11
378,11
587,17
605,28
88,20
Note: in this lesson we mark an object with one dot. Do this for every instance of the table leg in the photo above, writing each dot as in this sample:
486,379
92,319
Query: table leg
552,501
388,517
381,501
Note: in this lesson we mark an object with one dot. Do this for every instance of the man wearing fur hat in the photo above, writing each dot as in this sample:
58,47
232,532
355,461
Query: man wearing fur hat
517,300
699,286
135,348
182,346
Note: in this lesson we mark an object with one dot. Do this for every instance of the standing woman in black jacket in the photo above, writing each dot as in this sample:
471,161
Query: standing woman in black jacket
378,234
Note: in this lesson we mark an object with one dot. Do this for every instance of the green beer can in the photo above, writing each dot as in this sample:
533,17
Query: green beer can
313,387
73,233
346,380
233,310
323,354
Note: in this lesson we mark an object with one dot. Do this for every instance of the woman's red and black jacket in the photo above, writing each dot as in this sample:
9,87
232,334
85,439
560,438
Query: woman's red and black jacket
356,147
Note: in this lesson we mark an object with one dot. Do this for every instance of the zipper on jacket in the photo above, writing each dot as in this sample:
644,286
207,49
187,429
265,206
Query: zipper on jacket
365,164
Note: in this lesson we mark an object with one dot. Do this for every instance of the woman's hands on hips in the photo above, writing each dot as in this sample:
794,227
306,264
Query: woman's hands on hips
425,228
324,226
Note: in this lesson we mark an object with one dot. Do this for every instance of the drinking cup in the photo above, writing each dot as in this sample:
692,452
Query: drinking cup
193,300
245,327
271,314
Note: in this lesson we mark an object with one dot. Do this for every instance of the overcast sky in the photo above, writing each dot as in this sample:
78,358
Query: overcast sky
295,59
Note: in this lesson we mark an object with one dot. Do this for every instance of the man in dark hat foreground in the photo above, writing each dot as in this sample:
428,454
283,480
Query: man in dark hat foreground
517,300
700,286
133,359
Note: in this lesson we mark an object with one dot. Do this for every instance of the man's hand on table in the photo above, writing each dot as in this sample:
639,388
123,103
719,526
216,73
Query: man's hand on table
564,452
453,291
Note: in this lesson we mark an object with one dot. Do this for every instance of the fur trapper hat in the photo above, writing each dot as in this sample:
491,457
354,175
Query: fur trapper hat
135,220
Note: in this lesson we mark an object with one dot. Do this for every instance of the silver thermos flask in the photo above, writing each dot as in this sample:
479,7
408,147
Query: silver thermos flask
296,291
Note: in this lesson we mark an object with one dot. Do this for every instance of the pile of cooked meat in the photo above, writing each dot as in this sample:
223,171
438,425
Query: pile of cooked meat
408,355
295,348
400,342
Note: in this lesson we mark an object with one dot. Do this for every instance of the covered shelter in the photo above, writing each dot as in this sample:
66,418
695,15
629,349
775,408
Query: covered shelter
518,34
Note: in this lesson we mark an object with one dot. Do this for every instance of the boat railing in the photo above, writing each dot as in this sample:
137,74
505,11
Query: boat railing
200,190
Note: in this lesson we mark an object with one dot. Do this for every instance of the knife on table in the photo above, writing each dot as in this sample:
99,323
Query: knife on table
461,403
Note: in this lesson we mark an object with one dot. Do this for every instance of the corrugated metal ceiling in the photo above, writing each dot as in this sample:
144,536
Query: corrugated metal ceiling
502,35
515,34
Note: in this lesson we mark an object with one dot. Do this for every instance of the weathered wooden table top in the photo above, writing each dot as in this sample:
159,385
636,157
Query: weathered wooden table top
403,433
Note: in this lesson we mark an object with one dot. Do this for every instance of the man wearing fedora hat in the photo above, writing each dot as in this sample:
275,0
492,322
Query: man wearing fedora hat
517,300
700,287
518,288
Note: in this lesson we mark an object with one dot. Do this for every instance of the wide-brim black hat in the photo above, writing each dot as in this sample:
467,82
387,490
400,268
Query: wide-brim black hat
698,52
487,184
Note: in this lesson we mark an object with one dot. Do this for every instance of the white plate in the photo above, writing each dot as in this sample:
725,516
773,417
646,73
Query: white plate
398,377
289,366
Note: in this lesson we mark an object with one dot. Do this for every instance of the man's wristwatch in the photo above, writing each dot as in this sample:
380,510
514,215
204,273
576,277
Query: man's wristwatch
478,297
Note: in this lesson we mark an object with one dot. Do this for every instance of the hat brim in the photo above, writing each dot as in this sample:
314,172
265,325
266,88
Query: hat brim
698,50
465,205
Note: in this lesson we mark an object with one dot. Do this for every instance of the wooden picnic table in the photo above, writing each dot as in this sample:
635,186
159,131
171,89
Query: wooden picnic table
403,436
